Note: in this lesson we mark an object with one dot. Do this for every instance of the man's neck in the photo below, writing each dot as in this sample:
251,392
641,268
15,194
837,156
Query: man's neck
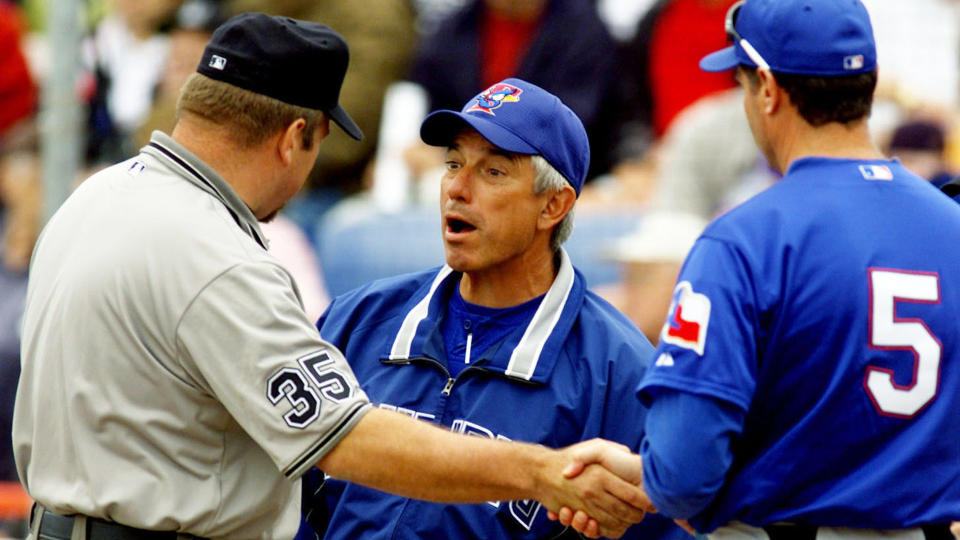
511,283
833,140
241,168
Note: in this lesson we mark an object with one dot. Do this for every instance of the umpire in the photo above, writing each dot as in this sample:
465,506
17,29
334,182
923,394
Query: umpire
172,384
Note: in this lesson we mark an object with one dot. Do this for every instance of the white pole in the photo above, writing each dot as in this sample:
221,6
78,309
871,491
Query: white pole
61,112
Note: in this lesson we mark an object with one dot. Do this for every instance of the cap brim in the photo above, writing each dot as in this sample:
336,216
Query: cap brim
440,127
342,119
722,60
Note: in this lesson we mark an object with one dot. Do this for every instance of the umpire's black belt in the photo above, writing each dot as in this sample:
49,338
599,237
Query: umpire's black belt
789,531
53,526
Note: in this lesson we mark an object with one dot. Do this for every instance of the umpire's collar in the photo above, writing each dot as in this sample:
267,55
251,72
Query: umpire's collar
198,173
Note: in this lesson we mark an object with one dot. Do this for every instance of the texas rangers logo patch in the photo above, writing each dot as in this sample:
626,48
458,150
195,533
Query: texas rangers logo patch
495,96
687,319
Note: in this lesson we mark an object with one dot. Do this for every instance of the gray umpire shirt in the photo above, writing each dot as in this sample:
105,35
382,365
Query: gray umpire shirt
171,379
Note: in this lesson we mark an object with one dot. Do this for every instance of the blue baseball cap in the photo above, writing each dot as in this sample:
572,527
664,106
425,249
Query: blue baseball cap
802,37
522,118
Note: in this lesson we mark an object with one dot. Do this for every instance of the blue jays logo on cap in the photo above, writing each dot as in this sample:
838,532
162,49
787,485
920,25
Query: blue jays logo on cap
495,96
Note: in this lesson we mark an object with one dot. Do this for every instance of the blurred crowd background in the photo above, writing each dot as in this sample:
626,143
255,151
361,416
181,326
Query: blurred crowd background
670,145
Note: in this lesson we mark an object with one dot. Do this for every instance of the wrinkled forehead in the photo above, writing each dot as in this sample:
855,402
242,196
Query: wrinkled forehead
469,138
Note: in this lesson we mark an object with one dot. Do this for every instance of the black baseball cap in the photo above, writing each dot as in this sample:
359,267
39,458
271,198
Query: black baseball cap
298,62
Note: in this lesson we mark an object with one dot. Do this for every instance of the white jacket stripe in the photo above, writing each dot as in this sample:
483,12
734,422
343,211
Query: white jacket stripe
523,361
408,330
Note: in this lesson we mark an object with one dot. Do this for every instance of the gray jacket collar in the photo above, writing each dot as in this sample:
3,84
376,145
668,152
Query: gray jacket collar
198,173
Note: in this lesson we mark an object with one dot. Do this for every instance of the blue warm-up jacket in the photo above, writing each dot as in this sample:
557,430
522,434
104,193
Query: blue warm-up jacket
568,376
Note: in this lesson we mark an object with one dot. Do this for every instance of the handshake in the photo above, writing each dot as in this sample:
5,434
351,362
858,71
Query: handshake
593,486
599,491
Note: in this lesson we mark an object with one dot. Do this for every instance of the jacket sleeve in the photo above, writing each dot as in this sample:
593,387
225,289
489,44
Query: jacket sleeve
624,421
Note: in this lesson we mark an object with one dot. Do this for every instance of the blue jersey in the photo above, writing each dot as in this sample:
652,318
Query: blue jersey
566,376
826,309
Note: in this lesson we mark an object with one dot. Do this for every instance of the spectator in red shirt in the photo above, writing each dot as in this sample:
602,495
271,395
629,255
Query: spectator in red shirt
18,93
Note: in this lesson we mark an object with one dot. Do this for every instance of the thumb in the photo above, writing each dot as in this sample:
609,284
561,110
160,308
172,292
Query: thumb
574,468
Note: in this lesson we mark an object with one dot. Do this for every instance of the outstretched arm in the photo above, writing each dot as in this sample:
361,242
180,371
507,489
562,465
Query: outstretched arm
392,452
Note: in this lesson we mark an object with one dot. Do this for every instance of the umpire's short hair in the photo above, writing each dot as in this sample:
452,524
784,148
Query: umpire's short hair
547,177
821,100
252,117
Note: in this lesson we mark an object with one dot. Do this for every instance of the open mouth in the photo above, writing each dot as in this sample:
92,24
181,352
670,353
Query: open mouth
455,225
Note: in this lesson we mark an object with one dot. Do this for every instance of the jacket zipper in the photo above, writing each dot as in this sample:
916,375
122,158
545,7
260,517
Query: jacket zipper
448,385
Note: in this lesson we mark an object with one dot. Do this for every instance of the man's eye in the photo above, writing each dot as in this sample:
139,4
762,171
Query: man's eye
496,172
452,165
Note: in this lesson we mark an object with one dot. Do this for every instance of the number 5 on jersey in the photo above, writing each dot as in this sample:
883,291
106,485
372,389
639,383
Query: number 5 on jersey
888,332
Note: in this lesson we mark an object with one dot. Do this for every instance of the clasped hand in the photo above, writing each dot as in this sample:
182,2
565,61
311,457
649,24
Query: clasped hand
602,481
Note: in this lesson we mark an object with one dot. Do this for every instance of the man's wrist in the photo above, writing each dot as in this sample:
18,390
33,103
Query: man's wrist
543,464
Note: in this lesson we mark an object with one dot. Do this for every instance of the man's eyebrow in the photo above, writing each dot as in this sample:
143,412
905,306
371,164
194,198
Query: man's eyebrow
514,157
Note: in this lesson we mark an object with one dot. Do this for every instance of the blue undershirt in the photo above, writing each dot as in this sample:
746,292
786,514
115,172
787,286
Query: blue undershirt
478,327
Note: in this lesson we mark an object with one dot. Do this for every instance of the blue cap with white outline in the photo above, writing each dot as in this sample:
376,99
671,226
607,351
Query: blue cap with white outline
519,117
803,37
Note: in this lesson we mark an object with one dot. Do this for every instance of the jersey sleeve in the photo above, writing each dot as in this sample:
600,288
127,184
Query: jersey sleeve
708,343
684,468
247,340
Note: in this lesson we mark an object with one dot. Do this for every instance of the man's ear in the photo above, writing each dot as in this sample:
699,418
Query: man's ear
558,206
291,139
771,93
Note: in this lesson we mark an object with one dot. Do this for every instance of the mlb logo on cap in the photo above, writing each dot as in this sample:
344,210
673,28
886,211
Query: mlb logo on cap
218,62
853,62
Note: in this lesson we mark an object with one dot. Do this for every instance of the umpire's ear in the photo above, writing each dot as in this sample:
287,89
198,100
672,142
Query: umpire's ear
291,140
